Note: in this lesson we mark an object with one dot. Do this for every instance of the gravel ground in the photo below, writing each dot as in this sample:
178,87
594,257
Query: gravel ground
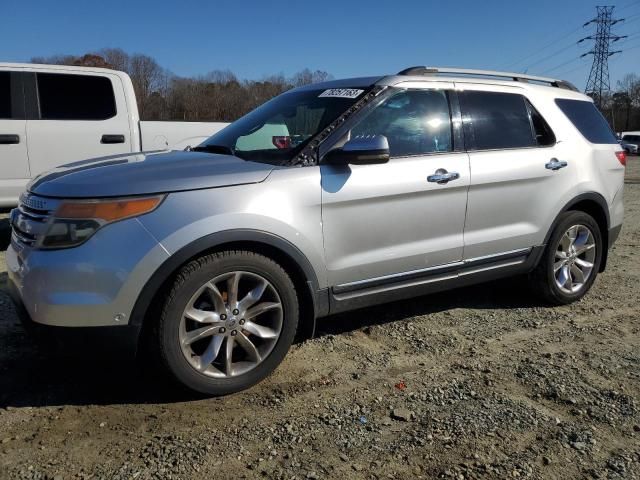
477,382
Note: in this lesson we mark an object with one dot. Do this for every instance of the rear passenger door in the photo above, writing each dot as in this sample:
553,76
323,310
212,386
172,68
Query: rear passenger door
389,222
517,187
14,167
77,117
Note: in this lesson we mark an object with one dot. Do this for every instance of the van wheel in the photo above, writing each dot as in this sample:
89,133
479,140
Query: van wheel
571,261
228,322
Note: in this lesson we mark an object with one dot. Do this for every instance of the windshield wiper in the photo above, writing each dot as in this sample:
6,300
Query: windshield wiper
214,149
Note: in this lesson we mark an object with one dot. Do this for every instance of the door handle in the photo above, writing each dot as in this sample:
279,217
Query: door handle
9,139
110,139
441,176
555,164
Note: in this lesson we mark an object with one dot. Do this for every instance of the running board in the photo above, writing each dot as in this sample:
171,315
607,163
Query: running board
378,290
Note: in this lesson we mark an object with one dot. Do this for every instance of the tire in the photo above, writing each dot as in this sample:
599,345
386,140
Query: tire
546,280
188,361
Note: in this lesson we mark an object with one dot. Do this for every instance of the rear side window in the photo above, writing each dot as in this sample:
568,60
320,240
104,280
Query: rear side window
631,138
5,95
415,122
497,120
75,97
588,120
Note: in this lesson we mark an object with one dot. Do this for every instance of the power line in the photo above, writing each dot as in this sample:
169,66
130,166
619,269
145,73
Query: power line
540,49
564,49
561,65
630,4
560,74
632,47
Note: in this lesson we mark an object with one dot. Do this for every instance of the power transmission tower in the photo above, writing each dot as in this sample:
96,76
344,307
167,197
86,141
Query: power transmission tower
598,83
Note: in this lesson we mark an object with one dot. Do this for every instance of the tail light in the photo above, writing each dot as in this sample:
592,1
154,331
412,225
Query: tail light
622,157
281,141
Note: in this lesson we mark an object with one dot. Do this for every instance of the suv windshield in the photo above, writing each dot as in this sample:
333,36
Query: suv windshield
278,130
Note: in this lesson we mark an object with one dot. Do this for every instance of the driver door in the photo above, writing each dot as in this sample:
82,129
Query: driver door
388,222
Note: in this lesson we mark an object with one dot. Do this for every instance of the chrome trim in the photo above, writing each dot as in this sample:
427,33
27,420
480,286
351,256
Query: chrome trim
22,239
458,268
31,218
555,164
508,253
373,282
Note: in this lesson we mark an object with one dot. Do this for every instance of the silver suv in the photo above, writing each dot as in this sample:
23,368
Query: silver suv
328,198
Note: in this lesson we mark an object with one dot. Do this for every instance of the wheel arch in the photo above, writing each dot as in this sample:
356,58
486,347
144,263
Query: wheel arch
313,301
595,205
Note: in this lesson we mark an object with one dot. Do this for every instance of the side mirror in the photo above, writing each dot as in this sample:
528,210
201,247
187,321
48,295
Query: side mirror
365,150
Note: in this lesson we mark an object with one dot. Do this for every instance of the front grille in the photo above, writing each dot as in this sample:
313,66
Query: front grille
30,219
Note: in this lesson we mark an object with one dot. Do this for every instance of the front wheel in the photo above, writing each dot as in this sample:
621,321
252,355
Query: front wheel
228,322
571,259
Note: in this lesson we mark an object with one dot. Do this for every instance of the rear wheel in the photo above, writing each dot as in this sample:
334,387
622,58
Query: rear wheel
571,260
228,322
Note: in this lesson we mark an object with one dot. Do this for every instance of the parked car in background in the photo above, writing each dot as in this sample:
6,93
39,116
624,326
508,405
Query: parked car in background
328,198
52,114
630,141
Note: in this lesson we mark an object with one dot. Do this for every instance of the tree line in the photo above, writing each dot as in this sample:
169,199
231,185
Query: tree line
217,96
621,107
221,96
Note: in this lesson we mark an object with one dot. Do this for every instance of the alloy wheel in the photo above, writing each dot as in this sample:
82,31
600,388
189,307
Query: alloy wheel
231,324
574,259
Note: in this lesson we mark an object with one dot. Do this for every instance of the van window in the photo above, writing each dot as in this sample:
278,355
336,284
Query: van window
415,122
499,120
75,97
587,119
5,95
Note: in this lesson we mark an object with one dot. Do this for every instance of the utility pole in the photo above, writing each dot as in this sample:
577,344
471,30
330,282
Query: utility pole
598,83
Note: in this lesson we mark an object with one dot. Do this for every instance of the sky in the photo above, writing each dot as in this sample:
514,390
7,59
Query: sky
255,38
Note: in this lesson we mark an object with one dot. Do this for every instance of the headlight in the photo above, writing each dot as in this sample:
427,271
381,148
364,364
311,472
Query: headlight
76,220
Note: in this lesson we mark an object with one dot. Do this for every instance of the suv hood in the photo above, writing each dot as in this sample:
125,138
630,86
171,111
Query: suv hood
147,173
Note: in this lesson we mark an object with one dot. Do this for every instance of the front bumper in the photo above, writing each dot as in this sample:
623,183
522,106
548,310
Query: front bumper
120,340
93,285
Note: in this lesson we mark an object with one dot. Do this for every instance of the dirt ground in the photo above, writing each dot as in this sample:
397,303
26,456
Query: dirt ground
477,382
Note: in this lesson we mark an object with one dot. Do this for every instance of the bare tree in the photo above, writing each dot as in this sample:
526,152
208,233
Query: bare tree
147,78
116,57
55,60
219,95
306,77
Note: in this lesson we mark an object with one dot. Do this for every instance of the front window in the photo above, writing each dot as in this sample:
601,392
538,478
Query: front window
278,130
415,122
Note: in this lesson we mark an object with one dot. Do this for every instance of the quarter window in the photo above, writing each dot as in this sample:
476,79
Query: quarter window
5,95
588,120
415,122
541,129
498,120
75,97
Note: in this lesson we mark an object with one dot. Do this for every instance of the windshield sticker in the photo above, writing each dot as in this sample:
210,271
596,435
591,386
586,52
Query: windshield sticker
341,93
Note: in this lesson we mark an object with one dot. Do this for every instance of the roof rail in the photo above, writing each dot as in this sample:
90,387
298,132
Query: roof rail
516,77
